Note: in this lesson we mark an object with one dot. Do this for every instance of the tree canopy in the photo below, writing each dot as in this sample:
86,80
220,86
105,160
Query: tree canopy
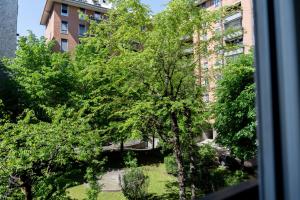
235,108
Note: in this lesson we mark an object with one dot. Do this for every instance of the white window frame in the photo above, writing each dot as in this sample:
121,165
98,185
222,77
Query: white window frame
217,3
61,45
61,26
61,10
85,29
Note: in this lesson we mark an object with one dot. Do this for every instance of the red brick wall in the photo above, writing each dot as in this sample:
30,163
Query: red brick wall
53,28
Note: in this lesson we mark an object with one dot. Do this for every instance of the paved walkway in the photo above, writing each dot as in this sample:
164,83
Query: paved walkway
110,181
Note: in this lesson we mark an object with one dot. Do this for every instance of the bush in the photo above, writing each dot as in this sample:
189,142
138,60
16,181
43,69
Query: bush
135,184
236,178
171,165
208,156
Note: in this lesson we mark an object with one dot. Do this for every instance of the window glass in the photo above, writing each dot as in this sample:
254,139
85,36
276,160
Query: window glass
82,29
64,45
64,10
97,16
217,3
64,27
164,103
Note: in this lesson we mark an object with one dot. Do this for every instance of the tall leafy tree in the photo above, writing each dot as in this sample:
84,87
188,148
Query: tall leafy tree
48,142
44,78
106,62
134,73
38,160
174,99
235,108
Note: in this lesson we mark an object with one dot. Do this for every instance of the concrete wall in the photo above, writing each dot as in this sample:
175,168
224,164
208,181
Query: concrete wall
8,27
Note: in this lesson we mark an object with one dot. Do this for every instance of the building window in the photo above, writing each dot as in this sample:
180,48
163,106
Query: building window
217,3
206,82
206,98
82,29
82,13
64,45
205,65
64,27
97,16
64,10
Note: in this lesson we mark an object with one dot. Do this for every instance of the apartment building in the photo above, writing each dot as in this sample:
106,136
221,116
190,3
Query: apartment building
8,27
65,20
241,21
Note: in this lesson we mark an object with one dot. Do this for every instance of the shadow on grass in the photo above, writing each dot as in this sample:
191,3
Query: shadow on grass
115,159
171,193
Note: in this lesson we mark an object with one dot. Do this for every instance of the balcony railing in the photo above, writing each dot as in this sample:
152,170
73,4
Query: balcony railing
198,2
236,32
233,17
234,52
188,51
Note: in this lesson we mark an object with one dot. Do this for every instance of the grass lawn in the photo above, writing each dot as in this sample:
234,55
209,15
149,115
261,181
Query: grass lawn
160,186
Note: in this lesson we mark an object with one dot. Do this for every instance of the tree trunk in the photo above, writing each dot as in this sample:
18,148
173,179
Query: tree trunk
191,153
27,191
178,156
122,146
153,142
193,175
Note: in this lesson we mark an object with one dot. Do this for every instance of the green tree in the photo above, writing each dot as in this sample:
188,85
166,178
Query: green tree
39,159
235,108
48,142
174,99
3,114
106,61
44,78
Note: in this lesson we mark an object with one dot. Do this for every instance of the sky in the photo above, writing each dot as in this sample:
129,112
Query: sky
30,12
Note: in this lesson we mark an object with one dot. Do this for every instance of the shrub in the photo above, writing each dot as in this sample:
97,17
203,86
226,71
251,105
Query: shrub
170,164
236,178
208,156
135,184
130,160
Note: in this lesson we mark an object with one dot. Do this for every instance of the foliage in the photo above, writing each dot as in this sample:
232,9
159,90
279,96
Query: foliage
135,79
135,184
106,62
48,143
173,101
130,160
170,164
236,178
212,176
235,108
44,78
3,114
161,186
39,157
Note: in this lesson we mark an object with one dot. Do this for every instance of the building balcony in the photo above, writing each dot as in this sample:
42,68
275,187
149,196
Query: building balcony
188,51
234,33
187,39
199,2
233,17
237,51
218,64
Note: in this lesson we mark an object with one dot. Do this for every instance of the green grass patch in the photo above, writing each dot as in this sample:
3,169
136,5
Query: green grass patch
161,186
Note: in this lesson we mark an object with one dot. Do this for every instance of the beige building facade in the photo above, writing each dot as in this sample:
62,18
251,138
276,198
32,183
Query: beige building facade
242,22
